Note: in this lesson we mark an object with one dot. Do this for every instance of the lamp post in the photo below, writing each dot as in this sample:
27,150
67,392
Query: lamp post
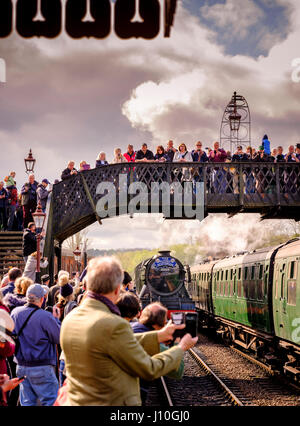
77,256
39,219
29,163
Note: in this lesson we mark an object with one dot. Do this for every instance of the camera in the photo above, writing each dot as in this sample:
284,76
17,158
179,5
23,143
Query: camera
190,320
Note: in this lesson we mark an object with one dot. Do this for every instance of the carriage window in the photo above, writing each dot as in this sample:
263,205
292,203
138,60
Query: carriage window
261,271
276,282
222,274
246,272
231,274
226,275
239,289
292,293
226,288
218,275
252,290
293,270
282,285
252,272
260,290
240,273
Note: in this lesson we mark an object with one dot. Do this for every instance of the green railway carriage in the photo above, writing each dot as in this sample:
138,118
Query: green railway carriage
286,293
253,300
240,290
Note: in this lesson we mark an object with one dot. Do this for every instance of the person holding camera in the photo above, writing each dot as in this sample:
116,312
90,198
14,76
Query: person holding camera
154,317
104,359
69,171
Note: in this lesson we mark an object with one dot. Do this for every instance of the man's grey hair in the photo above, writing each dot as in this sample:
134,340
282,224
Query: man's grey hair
104,275
33,299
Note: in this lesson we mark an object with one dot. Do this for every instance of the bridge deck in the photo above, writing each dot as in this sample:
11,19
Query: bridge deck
273,190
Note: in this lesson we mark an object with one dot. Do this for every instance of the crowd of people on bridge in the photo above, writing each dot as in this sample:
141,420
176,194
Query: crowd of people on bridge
83,340
16,208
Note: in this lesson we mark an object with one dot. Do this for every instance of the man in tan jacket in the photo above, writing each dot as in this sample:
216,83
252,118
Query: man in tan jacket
104,359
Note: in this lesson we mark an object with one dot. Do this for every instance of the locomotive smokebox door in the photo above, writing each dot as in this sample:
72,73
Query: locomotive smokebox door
165,274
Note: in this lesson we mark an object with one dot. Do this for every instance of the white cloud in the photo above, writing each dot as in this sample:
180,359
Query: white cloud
237,19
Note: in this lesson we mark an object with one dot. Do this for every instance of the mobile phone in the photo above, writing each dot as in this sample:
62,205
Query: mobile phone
190,319
178,318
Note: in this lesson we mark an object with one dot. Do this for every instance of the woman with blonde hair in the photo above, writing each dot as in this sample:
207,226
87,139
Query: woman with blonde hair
182,156
118,157
18,297
31,264
83,166
101,159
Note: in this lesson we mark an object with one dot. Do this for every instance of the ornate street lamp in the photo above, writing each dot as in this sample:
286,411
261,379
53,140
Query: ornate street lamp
39,218
29,163
236,124
235,117
77,256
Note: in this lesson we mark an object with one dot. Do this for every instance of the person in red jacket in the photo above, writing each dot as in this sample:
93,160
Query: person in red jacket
12,205
130,154
130,157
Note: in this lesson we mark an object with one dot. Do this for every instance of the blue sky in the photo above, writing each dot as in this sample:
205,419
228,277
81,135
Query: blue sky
251,29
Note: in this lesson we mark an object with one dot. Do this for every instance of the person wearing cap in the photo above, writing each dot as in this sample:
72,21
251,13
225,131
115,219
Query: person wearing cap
42,194
46,280
36,358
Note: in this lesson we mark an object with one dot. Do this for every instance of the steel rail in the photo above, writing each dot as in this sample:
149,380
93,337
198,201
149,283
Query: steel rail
166,392
205,367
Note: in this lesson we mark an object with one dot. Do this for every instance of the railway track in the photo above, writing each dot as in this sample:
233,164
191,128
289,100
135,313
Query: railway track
228,393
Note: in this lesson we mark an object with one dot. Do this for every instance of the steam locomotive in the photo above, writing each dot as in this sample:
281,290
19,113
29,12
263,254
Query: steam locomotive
162,278
253,301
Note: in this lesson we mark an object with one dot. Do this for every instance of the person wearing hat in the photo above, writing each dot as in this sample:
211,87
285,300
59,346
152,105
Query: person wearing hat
36,358
66,297
42,193
127,284
45,280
